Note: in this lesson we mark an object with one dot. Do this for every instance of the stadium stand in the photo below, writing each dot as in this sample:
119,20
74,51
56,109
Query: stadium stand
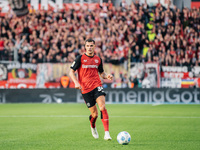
169,36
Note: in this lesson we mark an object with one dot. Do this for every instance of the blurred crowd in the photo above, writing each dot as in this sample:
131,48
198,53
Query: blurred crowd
169,35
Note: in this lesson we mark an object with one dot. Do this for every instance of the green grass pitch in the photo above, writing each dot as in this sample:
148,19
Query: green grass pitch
67,127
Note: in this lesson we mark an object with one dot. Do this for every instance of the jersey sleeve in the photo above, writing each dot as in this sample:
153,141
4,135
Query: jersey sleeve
77,63
100,68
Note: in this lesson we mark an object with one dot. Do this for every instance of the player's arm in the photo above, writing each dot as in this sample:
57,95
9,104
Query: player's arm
106,76
75,65
103,74
74,79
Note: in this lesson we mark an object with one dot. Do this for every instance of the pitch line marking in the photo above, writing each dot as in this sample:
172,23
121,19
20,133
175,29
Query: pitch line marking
157,104
83,116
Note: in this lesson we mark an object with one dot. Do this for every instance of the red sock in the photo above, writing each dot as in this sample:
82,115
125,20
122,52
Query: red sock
105,119
92,121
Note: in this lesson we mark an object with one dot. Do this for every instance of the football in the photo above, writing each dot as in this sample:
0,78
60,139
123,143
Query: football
123,138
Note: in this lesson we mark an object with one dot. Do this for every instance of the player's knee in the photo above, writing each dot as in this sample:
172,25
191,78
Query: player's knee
95,114
102,107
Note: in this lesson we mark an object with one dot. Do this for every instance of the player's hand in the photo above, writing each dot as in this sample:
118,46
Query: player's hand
109,77
78,86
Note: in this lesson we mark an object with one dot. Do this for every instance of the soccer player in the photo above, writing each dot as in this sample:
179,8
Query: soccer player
89,66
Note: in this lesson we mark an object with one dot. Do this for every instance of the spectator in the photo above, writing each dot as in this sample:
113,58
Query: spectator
135,57
59,35
123,4
1,48
134,81
64,81
124,80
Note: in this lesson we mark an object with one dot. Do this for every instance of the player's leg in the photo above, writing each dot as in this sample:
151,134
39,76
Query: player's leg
93,118
104,116
90,102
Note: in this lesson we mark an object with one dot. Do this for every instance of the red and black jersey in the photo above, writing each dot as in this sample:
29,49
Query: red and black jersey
88,71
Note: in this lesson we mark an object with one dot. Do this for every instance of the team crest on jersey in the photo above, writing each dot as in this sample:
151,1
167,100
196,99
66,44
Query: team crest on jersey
96,61
85,60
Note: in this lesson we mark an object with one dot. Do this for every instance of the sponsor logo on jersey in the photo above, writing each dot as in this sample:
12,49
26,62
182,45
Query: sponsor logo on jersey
89,66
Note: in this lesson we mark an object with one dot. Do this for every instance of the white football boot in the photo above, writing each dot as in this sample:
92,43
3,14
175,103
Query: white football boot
107,136
94,133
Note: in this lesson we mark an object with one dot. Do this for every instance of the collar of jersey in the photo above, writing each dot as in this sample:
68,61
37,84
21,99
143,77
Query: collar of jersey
89,56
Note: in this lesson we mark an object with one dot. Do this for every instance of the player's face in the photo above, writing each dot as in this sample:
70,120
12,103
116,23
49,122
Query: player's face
89,46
